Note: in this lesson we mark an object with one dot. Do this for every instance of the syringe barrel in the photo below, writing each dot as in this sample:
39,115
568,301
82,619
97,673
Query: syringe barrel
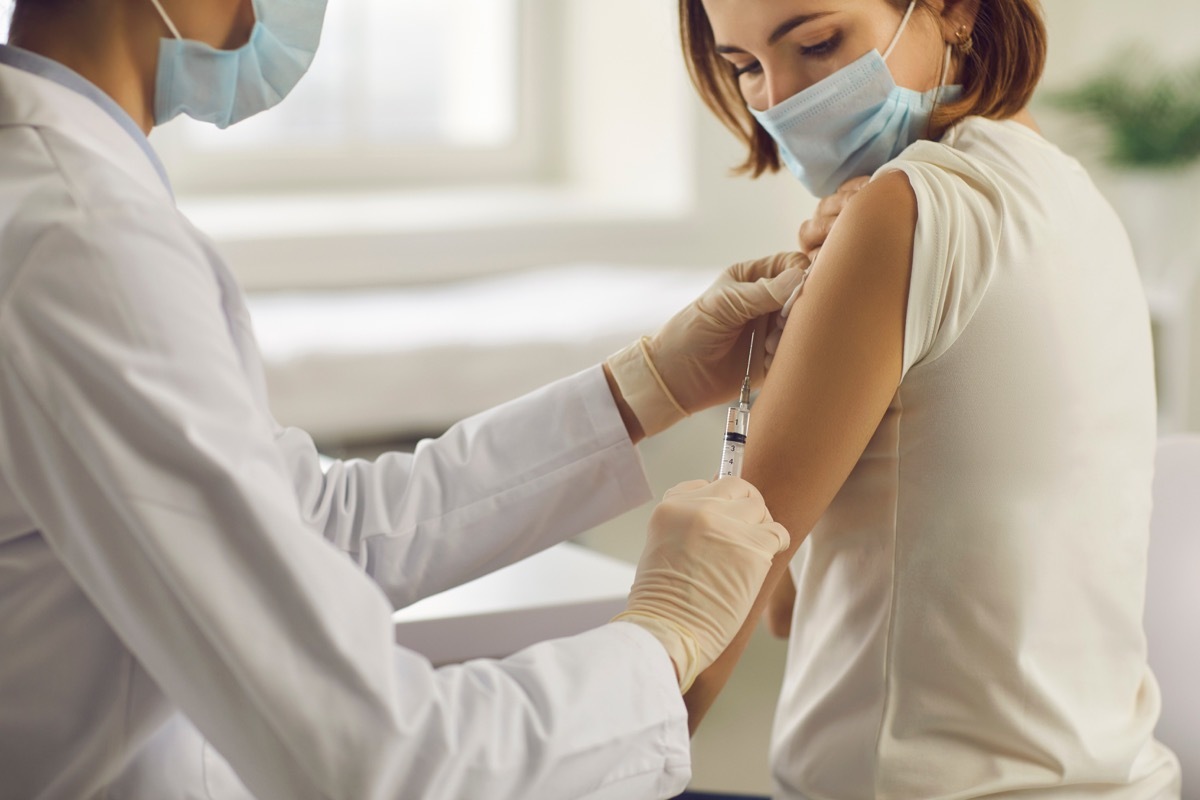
737,425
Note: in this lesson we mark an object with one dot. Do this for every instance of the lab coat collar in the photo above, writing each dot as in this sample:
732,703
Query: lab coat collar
65,110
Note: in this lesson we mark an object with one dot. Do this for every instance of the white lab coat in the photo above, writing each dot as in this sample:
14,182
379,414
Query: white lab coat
190,608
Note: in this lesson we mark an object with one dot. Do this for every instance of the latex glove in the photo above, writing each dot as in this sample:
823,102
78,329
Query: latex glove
698,358
813,233
708,550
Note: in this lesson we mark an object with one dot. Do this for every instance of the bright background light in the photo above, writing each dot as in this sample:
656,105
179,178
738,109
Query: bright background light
396,73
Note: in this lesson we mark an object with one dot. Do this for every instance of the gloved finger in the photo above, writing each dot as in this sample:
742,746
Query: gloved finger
768,360
853,186
735,304
767,267
765,537
685,488
774,322
745,509
838,200
836,203
787,307
779,538
814,232
791,301
785,284
771,345
731,488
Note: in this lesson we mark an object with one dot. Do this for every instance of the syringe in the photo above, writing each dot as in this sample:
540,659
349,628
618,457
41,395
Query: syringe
737,425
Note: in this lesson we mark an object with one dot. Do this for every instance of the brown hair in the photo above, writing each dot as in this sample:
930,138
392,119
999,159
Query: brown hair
998,74
25,10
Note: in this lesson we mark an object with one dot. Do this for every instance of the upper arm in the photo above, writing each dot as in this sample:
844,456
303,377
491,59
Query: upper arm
840,359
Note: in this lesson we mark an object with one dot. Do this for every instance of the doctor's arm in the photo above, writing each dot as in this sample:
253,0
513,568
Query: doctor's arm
496,487
835,373
134,442
514,480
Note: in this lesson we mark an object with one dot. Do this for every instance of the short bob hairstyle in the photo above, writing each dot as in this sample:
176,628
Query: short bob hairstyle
999,73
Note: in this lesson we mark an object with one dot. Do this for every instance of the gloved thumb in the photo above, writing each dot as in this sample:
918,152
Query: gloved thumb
784,285
738,303
767,295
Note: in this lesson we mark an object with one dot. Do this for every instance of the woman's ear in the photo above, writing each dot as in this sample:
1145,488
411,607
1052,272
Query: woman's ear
958,19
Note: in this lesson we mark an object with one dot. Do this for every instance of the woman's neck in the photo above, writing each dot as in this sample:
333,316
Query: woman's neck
1025,118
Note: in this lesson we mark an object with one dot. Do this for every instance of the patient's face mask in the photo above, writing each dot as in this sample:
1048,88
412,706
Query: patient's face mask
853,122
227,86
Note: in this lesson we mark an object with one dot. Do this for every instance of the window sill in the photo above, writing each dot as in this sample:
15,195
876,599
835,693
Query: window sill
338,240
256,217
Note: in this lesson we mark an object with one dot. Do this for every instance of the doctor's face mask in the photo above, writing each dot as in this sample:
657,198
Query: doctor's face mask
852,122
227,86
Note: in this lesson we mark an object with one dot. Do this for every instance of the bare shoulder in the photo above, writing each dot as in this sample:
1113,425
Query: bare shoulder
877,224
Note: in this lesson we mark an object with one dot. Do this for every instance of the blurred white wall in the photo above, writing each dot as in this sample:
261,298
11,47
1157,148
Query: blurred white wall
1085,34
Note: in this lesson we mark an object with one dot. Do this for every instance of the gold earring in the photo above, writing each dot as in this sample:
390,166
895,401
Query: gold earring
965,42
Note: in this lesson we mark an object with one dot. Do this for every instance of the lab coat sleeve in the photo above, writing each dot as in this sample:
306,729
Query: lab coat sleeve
497,487
133,441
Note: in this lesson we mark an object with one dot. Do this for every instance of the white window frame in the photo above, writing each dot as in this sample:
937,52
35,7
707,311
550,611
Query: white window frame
354,168
636,172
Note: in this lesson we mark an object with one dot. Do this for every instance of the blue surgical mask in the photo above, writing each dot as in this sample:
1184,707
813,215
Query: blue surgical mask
853,122
226,86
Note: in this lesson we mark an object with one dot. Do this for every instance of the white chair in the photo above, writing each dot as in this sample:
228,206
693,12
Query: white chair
1173,600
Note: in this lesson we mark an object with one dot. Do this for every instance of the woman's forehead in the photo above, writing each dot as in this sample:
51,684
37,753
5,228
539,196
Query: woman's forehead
750,19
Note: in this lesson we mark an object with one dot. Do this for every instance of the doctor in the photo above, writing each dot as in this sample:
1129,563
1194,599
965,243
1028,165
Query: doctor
189,607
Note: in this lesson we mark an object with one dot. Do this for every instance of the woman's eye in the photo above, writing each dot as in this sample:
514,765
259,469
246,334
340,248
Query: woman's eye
749,69
822,48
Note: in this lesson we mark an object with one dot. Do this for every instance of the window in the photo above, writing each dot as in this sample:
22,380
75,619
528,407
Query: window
401,92
601,167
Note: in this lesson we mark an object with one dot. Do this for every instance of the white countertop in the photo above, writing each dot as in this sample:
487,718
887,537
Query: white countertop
562,591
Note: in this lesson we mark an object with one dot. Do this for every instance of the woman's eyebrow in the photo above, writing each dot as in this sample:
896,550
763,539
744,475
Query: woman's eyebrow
780,31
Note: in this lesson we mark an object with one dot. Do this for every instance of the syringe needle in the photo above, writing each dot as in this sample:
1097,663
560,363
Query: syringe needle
744,395
750,357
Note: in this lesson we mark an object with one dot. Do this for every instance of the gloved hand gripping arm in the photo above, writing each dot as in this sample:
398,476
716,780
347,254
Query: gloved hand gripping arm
697,359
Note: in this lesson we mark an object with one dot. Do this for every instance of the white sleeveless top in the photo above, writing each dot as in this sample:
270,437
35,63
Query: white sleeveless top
968,618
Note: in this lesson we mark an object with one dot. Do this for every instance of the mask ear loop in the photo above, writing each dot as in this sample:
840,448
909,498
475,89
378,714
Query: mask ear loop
895,39
162,13
937,95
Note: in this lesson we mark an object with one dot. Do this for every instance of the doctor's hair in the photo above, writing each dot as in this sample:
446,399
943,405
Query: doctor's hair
998,72
24,11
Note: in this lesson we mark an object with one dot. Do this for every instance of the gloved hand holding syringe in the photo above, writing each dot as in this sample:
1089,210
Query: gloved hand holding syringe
737,420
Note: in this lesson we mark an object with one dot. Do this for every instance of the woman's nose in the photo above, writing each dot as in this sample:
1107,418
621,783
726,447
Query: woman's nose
781,84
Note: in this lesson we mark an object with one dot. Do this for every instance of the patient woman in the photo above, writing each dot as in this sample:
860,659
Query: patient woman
960,414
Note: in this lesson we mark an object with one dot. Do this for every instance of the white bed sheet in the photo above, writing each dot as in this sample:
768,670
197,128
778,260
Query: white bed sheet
389,363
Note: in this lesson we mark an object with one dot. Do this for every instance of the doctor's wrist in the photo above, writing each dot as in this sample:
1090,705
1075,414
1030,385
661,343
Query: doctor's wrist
636,380
680,645
632,425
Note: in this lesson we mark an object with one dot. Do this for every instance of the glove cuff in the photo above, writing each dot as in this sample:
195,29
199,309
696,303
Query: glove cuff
680,646
644,389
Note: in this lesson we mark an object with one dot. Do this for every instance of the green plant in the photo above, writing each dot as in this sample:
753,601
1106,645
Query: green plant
1150,113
